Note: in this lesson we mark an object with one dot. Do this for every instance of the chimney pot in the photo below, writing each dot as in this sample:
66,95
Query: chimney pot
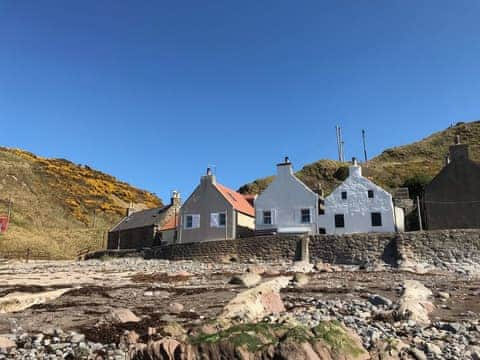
287,160
354,161
209,171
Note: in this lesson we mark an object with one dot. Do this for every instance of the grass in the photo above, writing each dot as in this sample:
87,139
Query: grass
54,202
392,167
256,336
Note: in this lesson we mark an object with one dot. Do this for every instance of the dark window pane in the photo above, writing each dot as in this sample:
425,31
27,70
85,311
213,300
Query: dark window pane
322,231
267,217
376,219
305,216
221,219
344,195
339,221
189,221
370,194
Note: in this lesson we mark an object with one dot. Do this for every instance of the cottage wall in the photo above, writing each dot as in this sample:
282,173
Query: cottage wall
357,208
285,197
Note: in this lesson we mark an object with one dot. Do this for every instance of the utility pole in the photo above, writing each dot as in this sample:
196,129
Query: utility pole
419,214
9,208
340,144
364,145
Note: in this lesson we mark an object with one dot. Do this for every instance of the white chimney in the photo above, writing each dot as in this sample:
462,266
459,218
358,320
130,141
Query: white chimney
285,168
355,169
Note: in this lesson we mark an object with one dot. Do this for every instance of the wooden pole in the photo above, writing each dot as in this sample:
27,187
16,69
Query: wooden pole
419,214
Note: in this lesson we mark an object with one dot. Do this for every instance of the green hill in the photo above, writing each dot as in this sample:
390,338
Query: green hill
60,208
393,166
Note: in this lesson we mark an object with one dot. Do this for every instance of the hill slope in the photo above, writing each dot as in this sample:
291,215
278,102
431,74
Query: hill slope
393,166
60,207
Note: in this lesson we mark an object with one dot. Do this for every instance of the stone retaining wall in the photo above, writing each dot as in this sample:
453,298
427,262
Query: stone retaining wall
432,247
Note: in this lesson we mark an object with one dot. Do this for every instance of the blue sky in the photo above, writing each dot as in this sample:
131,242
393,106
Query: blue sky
154,91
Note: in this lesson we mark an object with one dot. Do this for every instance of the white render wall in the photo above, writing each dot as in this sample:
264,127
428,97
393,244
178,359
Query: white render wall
285,197
357,208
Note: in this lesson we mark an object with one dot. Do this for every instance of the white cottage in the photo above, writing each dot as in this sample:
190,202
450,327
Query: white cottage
287,205
358,206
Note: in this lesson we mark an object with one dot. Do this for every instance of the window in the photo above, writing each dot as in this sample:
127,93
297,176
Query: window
339,221
222,219
267,217
344,195
189,221
322,231
370,194
192,221
376,219
305,216
217,220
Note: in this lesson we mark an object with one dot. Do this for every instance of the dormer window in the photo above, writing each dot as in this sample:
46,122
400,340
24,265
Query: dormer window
344,195
370,194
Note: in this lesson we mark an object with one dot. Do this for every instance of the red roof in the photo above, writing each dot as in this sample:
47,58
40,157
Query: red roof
171,223
236,199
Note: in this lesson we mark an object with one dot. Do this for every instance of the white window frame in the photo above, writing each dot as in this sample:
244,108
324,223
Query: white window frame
195,221
271,217
215,220
309,216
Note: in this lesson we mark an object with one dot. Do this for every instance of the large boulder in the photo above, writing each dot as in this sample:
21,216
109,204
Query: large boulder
254,304
121,315
246,280
414,303
18,301
6,343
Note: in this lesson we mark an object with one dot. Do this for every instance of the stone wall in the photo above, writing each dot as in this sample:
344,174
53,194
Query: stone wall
434,247
262,248
439,246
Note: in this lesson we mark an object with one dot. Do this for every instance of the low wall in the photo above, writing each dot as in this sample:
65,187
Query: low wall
263,248
432,247
438,246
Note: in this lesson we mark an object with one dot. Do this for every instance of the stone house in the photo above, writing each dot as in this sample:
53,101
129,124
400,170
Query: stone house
215,212
146,228
452,199
359,206
287,205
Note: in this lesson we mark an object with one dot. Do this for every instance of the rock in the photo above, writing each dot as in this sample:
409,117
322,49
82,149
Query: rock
6,343
123,315
300,279
431,348
418,354
18,301
165,348
323,267
256,269
443,295
184,274
175,308
379,300
451,327
302,267
131,337
247,280
254,304
174,329
414,303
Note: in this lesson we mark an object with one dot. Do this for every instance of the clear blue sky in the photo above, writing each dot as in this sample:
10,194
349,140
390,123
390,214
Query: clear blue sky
154,91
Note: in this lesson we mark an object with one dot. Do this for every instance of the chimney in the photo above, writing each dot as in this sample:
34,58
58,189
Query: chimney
458,151
355,169
447,159
175,199
130,210
285,168
209,178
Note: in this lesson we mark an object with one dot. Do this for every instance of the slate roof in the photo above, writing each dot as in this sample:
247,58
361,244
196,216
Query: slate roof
142,218
236,199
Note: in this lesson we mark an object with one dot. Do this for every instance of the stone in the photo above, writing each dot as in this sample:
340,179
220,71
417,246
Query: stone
300,279
174,329
6,343
379,300
256,269
302,267
176,308
123,315
418,354
443,295
431,348
247,280
256,303
323,267
414,303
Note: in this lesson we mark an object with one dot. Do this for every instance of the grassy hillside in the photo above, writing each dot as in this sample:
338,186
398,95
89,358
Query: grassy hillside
393,166
60,207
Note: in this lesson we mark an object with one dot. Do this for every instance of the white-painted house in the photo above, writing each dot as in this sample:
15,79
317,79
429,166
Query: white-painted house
287,205
358,206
